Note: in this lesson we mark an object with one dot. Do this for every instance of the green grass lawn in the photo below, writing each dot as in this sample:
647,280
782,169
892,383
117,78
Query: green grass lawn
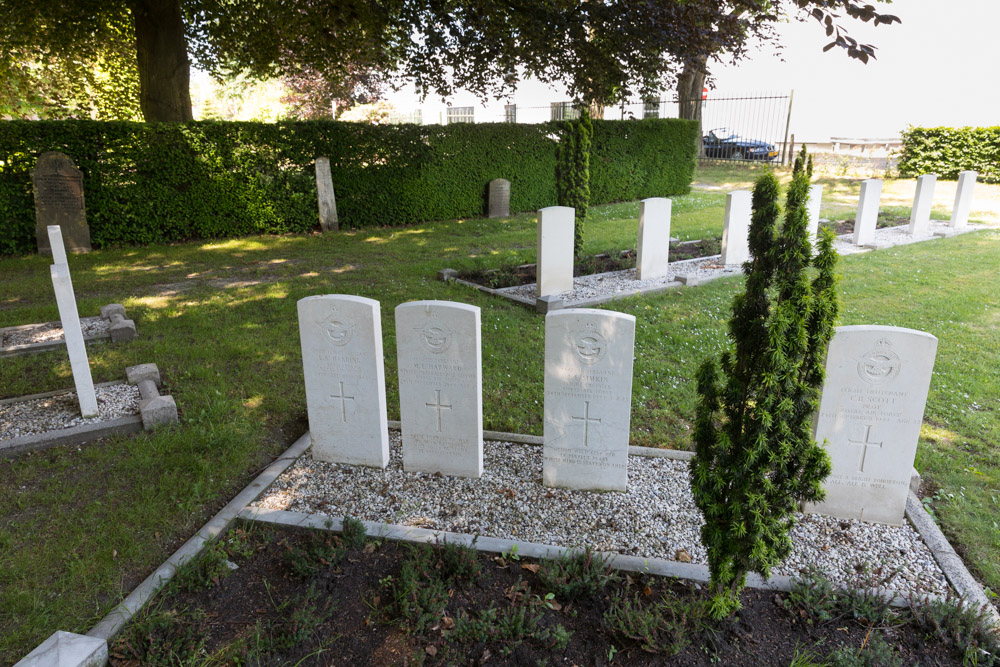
80,527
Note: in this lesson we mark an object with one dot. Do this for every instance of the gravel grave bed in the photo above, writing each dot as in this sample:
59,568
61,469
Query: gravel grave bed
54,413
656,518
887,237
625,283
50,331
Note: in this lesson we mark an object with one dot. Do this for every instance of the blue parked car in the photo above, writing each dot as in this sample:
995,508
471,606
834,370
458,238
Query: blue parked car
721,143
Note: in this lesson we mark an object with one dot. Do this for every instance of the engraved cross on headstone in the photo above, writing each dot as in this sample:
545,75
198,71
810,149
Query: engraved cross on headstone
865,444
586,419
343,398
439,406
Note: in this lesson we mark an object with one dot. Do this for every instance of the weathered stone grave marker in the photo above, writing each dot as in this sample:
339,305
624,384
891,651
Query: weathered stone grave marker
73,334
870,414
342,361
554,271
866,219
439,353
812,210
588,398
963,200
736,230
328,220
58,189
920,215
653,247
499,201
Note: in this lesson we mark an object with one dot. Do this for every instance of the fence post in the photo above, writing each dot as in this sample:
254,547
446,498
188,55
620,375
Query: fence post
788,122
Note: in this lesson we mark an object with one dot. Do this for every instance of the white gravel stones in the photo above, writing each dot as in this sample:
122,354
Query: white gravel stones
50,331
887,237
41,415
626,284
656,518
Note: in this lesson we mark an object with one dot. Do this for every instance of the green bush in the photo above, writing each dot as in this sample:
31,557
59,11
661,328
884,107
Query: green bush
946,151
164,182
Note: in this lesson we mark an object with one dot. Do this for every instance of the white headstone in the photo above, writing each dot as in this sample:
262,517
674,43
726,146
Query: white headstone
963,199
870,414
555,250
736,231
653,248
73,333
56,245
588,398
866,218
812,210
439,353
327,200
920,215
342,361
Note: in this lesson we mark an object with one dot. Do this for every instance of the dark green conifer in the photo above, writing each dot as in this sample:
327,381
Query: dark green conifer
573,171
755,458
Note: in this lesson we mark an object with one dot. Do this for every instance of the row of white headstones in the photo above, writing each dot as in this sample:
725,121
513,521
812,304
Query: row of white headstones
870,415
69,316
556,228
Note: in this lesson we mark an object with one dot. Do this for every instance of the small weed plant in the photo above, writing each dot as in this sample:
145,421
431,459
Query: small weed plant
665,626
576,576
320,549
962,626
353,533
875,652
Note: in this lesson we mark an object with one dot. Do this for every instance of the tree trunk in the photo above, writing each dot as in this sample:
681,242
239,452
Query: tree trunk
596,109
689,86
164,69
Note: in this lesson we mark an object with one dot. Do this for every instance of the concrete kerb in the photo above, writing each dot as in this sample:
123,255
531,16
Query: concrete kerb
112,624
119,330
75,435
238,508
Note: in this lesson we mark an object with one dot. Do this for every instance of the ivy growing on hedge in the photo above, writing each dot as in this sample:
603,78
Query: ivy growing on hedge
163,182
946,151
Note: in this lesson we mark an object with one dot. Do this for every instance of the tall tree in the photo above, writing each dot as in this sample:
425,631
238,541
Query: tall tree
602,49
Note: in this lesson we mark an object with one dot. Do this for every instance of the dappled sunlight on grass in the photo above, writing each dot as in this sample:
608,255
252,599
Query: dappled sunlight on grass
237,244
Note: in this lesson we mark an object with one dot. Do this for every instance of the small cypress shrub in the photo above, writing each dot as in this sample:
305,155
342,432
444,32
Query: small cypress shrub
573,171
755,456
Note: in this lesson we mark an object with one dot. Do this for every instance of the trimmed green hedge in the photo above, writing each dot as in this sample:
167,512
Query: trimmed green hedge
163,182
946,151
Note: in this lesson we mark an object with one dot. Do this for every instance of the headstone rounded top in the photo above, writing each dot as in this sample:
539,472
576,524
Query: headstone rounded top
56,162
862,328
343,297
558,209
583,312
438,303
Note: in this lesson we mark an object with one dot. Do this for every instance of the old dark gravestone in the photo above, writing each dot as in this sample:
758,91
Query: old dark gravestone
499,202
58,187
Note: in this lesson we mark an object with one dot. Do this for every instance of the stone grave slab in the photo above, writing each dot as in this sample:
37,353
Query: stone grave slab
588,398
920,214
866,218
963,200
58,190
342,360
73,334
653,247
870,414
812,210
499,198
554,270
327,199
439,353
736,231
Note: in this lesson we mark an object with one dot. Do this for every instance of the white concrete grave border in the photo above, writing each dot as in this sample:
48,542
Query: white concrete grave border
238,508
120,329
154,410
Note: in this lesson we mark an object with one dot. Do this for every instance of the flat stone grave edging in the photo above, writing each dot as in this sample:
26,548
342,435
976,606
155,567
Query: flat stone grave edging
890,237
110,325
74,435
238,508
591,290
951,569
151,410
